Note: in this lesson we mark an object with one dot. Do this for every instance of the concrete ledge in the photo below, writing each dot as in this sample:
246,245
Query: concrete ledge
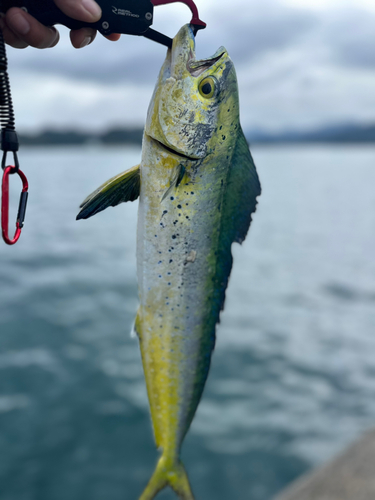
350,476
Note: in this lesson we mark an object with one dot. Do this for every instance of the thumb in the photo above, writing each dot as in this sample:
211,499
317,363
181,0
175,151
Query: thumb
82,10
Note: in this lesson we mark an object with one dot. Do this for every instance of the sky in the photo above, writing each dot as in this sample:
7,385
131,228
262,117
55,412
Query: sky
301,64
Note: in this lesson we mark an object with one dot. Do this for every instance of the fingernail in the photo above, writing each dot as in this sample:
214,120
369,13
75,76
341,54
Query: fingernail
56,37
19,24
93,9
86,41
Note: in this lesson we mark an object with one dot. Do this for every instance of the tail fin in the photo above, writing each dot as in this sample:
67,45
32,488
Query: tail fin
168,473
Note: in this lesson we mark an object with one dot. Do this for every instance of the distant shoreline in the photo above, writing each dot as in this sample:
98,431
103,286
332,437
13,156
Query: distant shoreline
343,134
75,137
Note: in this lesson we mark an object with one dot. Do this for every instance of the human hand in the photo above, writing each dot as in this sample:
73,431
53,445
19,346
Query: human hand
20,29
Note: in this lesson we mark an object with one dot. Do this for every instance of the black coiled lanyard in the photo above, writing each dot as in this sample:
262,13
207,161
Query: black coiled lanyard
9,144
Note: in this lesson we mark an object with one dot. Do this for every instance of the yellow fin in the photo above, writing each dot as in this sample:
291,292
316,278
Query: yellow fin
168,473
123,187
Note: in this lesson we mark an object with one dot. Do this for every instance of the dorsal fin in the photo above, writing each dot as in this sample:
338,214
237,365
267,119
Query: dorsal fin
123,187
239,204
243,188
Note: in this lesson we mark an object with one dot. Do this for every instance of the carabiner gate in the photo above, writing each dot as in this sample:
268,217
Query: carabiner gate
5,202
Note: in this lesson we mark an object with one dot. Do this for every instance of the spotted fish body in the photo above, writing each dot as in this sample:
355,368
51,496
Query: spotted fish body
197,187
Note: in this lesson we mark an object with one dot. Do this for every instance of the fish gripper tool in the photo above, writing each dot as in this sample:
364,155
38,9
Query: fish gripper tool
130,17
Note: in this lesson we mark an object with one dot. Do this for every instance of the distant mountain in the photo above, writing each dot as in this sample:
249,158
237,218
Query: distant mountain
349,133
334,134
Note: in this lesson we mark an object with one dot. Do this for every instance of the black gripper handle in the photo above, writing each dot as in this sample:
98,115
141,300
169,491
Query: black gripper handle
131,17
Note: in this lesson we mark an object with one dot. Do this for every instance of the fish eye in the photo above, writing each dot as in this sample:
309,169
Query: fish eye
207,87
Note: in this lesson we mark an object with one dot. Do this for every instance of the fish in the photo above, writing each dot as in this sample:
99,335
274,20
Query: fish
197,187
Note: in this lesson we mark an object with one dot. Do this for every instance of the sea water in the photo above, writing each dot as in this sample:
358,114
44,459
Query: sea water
293,373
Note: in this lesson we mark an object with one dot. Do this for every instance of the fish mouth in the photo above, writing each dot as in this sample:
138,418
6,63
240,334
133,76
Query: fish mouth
174,152
182,57
196,68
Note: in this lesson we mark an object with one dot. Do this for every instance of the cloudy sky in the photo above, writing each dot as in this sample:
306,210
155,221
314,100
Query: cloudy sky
300,64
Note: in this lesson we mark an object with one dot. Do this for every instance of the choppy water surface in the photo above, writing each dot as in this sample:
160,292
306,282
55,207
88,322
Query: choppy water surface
293,374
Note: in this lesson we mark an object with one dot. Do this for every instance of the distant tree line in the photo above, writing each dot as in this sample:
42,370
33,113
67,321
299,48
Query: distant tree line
75,137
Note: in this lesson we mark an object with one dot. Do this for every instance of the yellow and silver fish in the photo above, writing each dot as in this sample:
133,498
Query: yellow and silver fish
197,187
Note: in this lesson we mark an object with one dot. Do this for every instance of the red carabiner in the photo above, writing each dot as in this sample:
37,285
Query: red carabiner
5,204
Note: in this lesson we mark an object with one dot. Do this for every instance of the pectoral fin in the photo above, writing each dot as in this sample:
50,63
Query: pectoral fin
176,178
123,187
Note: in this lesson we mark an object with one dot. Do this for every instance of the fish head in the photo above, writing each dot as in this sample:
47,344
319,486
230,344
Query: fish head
195,102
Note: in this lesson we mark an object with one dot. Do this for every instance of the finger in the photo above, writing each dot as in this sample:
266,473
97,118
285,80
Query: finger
10,37
29,30
81,38
113,37
83,10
